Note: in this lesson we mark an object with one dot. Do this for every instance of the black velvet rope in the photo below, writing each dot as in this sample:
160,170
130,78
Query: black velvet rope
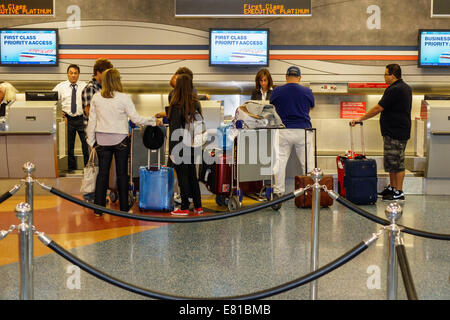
5,196
358,249
374,218
211,217
406,273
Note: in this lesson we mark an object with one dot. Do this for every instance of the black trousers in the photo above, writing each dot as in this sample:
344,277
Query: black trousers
188,183
75,125
105,154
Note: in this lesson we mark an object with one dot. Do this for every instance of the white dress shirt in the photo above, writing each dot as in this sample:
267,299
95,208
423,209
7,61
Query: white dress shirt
65,96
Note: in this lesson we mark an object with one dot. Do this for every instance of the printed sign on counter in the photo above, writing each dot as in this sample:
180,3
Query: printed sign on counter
352,110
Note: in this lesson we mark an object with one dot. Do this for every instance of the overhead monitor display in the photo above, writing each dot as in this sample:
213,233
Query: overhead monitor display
434,48
25,47
239,47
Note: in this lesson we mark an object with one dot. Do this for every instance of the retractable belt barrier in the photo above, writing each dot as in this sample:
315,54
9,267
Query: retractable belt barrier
26,230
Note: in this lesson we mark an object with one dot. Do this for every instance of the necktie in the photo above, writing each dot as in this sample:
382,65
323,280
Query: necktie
73,106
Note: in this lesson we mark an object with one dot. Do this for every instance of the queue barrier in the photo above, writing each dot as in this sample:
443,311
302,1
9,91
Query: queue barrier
26,230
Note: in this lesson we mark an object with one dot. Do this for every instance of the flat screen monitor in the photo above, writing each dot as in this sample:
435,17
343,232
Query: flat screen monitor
239,47
434,48
41,95
29,47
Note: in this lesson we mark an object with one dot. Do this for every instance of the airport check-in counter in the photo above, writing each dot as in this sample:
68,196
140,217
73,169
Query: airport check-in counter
438,139
29,135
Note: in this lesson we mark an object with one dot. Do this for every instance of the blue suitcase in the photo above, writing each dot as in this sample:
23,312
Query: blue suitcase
156,187
360,181
360,177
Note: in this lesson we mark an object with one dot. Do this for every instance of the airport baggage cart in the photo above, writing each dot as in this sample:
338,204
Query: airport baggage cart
252,169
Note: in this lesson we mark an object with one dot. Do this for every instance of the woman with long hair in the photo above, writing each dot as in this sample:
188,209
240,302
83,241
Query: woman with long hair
263,85
183,110
107,130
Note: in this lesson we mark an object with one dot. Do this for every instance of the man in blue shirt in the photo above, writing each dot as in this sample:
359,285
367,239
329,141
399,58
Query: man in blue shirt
293,103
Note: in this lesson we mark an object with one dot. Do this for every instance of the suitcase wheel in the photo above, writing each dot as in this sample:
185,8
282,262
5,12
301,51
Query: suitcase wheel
234,203
113,196
276,207
220,200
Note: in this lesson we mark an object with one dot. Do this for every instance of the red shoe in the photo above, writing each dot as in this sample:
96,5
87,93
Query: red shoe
179,212
198,210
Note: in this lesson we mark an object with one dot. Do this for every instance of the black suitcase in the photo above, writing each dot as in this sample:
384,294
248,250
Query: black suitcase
360,180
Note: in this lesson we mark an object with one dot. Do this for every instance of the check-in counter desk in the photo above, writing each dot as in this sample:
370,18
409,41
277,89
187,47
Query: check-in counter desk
438,139
29,135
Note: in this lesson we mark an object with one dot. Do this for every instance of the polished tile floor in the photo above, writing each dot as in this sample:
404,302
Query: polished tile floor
229,257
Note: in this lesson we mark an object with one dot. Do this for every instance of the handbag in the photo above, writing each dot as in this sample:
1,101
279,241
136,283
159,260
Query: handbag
90,173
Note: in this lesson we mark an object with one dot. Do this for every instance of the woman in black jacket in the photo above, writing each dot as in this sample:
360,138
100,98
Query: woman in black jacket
182,112
263,84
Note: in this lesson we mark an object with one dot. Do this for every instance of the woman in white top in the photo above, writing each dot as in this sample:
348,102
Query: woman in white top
108,130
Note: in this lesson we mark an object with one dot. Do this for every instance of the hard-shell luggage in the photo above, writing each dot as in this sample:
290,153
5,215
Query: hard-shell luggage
156,186
358,183
217,175
305,200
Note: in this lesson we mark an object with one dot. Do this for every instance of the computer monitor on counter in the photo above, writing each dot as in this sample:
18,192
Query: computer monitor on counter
41,96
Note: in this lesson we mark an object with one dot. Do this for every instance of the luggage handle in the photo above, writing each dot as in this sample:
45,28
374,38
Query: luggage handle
306,148
352,146
148,159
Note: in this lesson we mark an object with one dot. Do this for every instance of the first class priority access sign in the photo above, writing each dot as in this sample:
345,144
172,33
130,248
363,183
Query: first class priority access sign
242,8
22,8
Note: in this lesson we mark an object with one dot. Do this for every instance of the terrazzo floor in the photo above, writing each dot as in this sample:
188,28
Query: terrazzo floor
229,257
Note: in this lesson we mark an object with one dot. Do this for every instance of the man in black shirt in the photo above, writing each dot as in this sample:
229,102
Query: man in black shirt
395,125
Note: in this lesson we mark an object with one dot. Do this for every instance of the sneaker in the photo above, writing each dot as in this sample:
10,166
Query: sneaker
396,195
179,212
198,210
388,190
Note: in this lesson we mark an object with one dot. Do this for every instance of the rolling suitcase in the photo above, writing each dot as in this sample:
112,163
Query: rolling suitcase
217,175
305,200
359,183
156,186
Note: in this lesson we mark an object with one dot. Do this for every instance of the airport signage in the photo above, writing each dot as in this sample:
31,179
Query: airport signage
242,8
352,110
20,8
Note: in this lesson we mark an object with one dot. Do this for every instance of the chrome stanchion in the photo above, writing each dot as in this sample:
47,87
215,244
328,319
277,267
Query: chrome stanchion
23,211
316,175
393,213
29,168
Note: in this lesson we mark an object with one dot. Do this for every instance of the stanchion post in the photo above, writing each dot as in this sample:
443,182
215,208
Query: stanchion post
316,175
25,281
29,168
393,213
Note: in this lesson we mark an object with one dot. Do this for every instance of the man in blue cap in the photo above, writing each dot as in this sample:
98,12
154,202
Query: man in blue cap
293,103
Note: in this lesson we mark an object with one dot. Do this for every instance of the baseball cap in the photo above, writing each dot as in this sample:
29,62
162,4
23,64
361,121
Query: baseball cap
293,71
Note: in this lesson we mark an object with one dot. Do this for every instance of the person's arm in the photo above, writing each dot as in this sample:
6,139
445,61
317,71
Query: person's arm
86,97
173,80
2,94
161,114
135,117
92,123
369,114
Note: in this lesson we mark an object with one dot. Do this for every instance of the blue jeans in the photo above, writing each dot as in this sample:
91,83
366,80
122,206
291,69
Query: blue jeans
105,153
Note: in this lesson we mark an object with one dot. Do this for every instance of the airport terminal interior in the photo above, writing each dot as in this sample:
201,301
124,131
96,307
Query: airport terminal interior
237,255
